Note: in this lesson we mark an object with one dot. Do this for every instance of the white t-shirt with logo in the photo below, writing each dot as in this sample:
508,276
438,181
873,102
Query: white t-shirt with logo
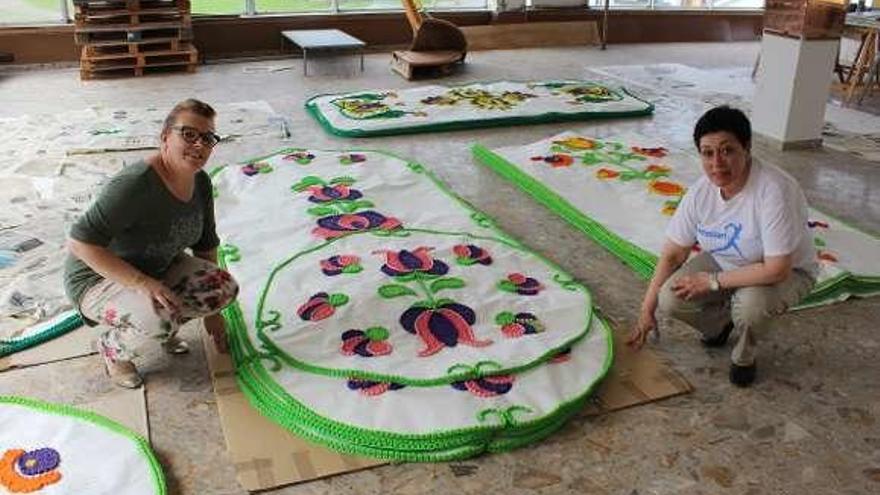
767,218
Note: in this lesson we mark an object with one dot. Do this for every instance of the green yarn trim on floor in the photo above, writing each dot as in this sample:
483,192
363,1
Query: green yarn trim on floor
66,324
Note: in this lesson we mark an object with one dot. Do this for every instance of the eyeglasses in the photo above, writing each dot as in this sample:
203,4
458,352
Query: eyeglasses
191,135
725,151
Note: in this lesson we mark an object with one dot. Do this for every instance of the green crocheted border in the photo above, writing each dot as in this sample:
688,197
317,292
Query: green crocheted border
69,323
313,110
275,403
422,382
143,446
643,261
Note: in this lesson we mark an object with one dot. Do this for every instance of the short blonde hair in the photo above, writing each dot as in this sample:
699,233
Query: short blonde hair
193,105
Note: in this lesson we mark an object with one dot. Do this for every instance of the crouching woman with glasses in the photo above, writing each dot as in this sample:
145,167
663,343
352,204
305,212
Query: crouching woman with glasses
128,269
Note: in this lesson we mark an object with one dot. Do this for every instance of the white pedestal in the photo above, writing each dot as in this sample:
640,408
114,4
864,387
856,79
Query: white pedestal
789,105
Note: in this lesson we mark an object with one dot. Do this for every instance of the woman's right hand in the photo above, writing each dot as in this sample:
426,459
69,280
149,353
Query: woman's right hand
160,293
671,258
647,323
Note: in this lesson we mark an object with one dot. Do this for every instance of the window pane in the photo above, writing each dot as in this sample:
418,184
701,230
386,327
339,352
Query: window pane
267,6
369,4
683,4
217,6
739,4
458,4
30,11
397,5
622,4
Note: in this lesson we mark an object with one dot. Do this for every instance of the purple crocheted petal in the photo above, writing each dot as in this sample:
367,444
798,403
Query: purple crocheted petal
439,268
465,312
496,387
408,318
409,260
375,219
361,349
443,328
38,461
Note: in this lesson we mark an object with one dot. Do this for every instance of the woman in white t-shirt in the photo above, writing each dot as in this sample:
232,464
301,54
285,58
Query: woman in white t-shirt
748,223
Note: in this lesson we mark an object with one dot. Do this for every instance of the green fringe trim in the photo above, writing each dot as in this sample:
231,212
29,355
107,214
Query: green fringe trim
71,322
275,403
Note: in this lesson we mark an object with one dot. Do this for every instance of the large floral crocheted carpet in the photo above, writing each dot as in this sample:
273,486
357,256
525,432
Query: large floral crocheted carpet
381,315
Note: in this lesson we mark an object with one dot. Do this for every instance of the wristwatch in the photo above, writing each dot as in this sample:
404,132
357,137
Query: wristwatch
714,285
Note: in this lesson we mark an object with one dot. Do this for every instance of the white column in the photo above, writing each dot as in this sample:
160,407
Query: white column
789,104
65,12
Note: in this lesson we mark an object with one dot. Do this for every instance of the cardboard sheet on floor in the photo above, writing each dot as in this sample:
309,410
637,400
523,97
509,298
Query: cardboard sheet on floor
266,455
77,343
636,378
126,407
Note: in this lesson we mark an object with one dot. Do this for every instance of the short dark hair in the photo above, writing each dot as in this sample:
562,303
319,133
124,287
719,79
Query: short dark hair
724,119
193,105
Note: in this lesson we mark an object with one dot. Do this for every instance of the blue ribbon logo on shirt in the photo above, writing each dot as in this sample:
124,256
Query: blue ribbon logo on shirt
730,236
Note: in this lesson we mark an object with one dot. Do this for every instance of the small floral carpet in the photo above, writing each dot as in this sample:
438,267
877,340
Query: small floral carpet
485,104
50,449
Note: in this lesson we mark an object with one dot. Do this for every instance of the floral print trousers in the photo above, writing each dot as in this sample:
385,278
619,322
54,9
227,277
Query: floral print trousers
133,319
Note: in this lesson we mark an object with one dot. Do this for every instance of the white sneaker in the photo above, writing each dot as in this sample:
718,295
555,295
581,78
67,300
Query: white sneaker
123,374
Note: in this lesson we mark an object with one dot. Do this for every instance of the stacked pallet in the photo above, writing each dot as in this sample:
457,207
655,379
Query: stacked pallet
134,37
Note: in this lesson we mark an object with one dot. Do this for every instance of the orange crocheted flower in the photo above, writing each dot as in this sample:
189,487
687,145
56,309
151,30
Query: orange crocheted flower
665,188
606,173
654,152
555,160
577,143
559,160
657,169
827,256
669,209
31,474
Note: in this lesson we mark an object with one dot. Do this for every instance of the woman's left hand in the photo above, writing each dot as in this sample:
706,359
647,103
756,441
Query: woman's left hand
692,286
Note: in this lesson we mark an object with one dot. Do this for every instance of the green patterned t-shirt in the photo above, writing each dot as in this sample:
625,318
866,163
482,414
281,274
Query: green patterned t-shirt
137,218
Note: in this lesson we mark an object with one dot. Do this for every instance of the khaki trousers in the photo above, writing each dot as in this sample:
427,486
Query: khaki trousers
750,308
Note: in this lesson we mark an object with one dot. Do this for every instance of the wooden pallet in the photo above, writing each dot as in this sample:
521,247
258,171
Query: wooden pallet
145,12
124,72
159,44
87,5
133,37
121,34
137,64
135,18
